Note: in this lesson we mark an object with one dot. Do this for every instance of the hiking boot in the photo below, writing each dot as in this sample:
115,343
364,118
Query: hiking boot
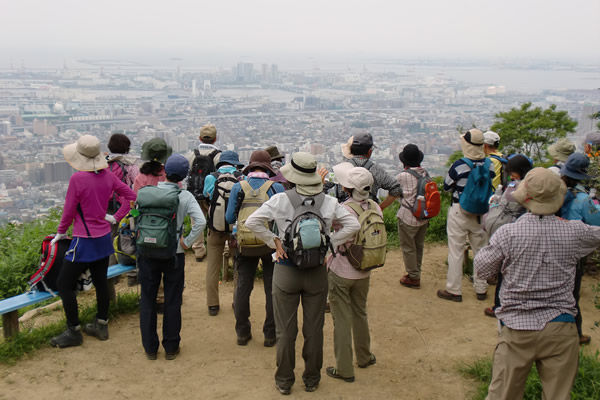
70,337
410,283
151,356
332,372
98,328
311,388
489,311
172,355
270,342
283,390
372,361
200,253
243,340
444,294
481,296
132,279
213,310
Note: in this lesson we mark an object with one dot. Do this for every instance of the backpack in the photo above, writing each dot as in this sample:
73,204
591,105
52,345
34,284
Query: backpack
341,195
428,201
113,204
503,175
157,233
51,260
202,166
220,199
501,213
248,244
369,248
306,239
476,195
124,242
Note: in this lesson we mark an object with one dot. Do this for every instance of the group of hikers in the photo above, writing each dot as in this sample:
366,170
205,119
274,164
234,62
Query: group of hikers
317,239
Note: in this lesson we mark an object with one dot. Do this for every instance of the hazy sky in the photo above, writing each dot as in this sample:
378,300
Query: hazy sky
557,29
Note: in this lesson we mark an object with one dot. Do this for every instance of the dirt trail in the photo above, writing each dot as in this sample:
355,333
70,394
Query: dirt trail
418,339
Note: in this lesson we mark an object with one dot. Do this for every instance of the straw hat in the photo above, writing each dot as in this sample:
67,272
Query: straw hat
302,171
357,178
471,144
542,191
84,155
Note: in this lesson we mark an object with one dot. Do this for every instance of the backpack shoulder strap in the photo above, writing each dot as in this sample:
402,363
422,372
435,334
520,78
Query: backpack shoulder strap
468,162
497,157
413,173
294,198
265,187
196,153
245,186
213,153
357,208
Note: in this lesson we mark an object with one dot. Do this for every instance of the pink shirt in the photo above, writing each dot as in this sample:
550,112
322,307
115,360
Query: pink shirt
340,264
93,191
148,180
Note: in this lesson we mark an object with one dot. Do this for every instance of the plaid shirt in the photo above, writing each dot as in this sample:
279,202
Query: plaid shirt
537,257
458,174
409,192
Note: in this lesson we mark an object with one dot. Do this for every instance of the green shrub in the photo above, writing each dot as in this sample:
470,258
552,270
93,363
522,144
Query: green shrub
587,382
20,252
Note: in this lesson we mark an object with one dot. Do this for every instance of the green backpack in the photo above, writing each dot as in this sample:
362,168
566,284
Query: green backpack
248,244
157,234
369,248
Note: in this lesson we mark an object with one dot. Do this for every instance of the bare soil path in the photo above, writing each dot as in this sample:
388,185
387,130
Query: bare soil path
419,341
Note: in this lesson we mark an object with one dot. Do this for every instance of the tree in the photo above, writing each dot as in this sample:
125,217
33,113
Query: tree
531,130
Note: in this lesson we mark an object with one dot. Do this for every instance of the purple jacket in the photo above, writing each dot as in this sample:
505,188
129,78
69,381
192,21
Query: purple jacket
93,191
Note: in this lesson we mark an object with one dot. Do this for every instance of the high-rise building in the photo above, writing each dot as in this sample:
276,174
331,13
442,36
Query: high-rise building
274,73
194,91
265,73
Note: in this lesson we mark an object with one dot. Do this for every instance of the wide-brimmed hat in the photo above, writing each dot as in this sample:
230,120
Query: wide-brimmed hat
229,157
357,178
156,149
562,149
411,155
576,167
302,170
84,155
471,144
362,140
274,153
260,159
541,192
209,132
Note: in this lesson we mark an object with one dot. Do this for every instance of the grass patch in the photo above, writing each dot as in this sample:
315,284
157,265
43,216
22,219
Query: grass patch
587,382
25,342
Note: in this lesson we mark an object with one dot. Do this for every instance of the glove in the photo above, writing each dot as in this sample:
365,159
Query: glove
110,219
58,237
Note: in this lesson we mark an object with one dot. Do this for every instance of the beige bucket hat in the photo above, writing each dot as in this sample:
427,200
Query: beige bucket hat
85,155
471,143
542,191
562,149
357,178
302,171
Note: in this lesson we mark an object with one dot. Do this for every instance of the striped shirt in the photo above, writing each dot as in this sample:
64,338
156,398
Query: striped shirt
381,179
458,174
537,256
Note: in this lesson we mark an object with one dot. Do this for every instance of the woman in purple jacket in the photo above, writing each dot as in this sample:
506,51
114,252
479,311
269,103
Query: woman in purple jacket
88,194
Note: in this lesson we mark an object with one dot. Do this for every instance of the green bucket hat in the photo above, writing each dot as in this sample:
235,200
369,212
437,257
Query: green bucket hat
156,149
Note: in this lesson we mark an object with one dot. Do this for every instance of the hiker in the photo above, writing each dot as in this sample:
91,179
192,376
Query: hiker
537,256
202,161
247,196
464,215
86,203
349,286
578,206
277,161
411,230
491,142
560,151
301,276
358,151
217,187
506,210
155,152
166,266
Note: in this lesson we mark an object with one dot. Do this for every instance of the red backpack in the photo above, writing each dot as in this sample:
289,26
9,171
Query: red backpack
428,202
51,261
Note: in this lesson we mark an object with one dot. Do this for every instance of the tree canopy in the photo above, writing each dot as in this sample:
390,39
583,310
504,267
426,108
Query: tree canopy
530,130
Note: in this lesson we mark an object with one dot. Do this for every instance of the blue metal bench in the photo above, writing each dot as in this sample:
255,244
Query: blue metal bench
9,307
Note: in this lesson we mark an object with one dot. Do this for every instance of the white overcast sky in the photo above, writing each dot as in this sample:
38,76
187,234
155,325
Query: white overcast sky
555,29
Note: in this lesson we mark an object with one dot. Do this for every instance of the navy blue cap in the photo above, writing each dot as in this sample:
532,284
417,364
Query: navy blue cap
576,167
177,165
229,157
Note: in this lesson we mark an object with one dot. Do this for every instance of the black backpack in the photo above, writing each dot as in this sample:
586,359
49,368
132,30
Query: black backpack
202,166
51,260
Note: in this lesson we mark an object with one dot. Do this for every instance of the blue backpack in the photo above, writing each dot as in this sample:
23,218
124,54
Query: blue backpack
476,195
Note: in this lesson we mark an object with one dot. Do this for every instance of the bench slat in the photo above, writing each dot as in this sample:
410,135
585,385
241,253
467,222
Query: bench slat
27,299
